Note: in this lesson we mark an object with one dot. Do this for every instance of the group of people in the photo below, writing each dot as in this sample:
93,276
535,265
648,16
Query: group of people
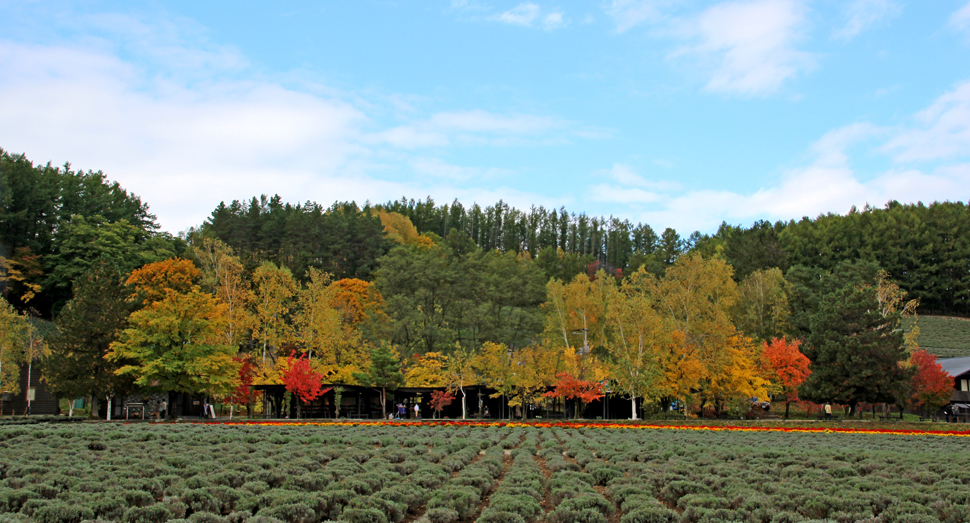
402,411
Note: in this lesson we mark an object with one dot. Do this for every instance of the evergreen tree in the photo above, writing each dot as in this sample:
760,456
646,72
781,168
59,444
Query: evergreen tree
86,328
855,351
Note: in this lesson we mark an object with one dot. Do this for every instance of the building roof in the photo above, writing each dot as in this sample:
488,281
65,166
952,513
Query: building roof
955,366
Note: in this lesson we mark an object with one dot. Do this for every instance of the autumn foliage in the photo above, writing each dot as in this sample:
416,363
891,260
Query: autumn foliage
932,386
247,374
154,280
301,380
439,400
569,387
786,367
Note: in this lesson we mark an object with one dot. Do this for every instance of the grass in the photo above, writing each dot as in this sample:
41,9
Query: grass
944,336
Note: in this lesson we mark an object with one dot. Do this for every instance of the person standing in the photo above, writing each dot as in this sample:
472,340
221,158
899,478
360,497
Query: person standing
828,411
417,411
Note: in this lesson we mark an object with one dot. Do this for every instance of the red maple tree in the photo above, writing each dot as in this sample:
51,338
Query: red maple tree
242,394
568,387
439,400
786,366
301,380
932,386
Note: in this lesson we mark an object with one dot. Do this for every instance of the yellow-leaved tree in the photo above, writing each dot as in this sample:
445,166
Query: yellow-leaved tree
495,366
708,355
576,320
14,338
427,370
223,275
398,228
460,372
638,339
275,290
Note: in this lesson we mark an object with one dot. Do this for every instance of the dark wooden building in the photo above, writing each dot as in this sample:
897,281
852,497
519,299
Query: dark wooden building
43,401
959,368
364,403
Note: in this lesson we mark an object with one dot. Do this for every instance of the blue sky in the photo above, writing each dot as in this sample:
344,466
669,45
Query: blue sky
676,113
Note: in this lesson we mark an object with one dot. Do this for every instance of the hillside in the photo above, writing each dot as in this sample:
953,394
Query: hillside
945,336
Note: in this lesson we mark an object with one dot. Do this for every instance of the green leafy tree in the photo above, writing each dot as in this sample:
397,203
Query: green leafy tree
762,311
14,335
178,345
86,328
383,373
83,241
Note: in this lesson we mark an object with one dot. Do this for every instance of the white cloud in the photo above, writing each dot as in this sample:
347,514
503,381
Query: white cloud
465,127
177,148
863,14
553,21
624,175
529,15
943,130
960,19
830,149
623,195
185,137
627,14
828,182
746,47
522,14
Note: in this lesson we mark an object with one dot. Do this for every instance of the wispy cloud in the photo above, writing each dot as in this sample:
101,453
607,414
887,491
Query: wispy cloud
531,15
467,127
627,14
746,48
438,168
861,15
942,130
960,19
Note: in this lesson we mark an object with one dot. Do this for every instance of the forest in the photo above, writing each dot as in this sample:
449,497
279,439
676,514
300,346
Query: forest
536,303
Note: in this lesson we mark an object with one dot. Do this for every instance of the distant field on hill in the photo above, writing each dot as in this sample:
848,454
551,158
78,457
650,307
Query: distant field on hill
944,336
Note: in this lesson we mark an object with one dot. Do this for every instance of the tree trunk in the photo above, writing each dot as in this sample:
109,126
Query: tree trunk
462,402
94,407
633,402
27,392
108,408
787,406
383,403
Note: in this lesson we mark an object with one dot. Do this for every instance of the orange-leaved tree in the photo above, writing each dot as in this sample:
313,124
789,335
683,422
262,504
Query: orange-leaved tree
786,367
932,386
569,387
302,381
154,281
